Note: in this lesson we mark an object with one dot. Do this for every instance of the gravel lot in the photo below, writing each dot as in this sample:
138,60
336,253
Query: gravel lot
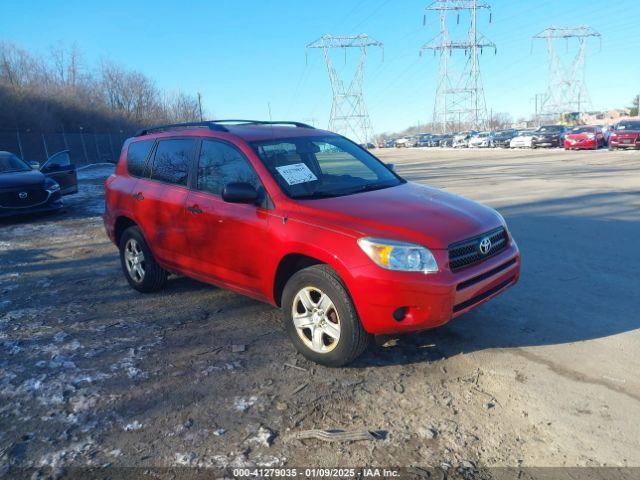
93,373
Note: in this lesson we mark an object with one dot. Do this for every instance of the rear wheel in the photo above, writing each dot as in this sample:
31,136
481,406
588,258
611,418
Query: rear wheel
320,317
138,264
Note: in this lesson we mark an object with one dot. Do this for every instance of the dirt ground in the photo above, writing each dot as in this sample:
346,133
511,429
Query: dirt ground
94,373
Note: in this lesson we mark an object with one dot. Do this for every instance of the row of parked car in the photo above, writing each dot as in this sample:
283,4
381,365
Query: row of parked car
625,134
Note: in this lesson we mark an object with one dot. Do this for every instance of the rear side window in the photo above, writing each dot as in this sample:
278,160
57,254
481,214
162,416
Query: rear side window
171,161
220,164
137,156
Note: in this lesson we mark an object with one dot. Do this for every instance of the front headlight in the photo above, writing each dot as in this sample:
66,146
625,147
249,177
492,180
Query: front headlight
52,186
399,256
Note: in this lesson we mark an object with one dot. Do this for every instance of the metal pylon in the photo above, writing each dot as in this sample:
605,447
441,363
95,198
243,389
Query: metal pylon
349,114
566,91
460,101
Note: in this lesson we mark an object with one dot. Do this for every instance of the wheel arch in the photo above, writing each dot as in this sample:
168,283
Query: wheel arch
292,263
121,224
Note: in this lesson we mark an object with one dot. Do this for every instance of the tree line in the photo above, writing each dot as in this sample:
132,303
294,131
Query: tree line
61,92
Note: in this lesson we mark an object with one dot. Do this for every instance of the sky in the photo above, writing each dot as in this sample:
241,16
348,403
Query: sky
248,58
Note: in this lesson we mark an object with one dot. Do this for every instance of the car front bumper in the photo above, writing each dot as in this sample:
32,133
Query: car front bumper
587,143
546,142
430,300
51,206
625,143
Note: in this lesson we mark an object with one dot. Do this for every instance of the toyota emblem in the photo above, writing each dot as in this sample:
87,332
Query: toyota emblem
485,245
23,195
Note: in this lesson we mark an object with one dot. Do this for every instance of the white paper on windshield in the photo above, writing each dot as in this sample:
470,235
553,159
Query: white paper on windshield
296,173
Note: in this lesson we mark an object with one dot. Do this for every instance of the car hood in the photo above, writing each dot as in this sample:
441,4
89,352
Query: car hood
409,212
522,138
577,136
31,178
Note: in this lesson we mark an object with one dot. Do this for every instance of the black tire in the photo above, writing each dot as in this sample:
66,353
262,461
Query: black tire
353,338
155,276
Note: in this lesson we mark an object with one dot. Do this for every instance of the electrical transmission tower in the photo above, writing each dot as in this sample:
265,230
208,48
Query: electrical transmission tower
459,98
567,91
348,111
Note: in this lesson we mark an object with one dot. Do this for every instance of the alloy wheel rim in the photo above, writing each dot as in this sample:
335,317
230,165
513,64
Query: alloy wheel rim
316,319
134,260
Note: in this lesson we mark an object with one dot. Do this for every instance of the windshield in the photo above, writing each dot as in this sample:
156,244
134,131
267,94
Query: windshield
10,163
583,130
628,126
524,133
550,128
320,167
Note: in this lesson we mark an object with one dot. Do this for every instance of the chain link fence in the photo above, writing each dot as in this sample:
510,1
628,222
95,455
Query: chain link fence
84,148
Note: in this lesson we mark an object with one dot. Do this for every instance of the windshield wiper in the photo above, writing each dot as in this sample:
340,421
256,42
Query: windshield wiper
365,188
315,195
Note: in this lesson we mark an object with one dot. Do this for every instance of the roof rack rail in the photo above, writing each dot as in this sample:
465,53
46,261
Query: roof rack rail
263,122
215,125
180,126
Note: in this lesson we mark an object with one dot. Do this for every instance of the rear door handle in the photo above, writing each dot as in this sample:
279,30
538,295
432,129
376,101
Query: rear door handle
138,196
194,209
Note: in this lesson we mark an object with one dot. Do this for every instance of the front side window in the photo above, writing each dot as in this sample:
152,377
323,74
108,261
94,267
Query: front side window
10,163
318,167
137,154
171,161
220,164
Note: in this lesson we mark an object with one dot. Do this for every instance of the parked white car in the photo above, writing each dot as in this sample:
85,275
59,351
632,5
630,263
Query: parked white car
461,140
482,139
405,142
523,140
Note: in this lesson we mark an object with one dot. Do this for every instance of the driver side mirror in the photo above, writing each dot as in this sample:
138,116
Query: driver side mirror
240,192
391,166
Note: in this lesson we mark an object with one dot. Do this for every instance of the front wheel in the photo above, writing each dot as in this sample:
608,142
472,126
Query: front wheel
320,317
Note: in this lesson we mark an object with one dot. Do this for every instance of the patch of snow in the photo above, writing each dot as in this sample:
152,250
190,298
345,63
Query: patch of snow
185,459
243,404
133,426
263,437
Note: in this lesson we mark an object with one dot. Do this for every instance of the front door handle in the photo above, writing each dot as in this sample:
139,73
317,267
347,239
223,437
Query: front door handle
138,196
194,209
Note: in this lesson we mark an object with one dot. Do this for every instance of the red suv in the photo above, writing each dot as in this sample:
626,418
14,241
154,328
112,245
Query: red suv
306,220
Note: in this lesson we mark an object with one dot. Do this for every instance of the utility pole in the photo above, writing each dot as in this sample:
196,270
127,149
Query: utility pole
200,105
566,91
349,114
462,96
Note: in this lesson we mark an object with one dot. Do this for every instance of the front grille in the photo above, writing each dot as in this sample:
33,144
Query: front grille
467,252
14,198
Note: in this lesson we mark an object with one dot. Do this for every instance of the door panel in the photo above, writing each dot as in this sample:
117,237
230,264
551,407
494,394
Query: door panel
161,215
160,197
228,242
59,168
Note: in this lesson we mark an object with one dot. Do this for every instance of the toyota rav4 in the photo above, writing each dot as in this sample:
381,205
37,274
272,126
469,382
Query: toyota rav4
306,220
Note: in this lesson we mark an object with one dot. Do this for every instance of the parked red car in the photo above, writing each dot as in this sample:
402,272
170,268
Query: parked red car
589,137
306,220
625,135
